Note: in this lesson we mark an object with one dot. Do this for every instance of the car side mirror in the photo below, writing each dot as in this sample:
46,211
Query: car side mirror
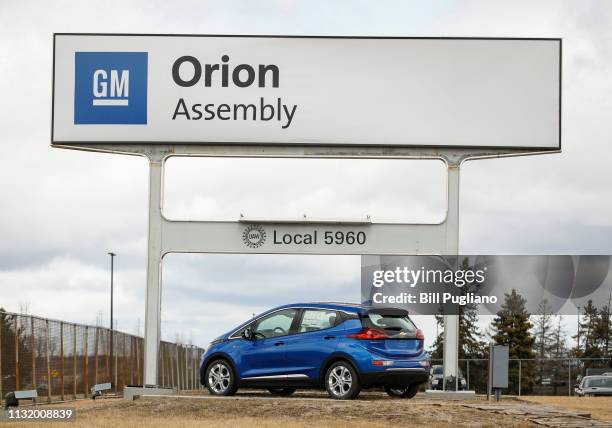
247,333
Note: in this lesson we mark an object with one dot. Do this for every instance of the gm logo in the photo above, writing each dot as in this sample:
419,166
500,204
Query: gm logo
110,88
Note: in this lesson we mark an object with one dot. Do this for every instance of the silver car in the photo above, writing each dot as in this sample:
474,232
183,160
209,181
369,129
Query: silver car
592,386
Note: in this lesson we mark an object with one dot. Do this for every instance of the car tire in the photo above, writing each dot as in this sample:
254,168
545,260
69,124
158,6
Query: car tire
407,392
220,378
281,392
341,381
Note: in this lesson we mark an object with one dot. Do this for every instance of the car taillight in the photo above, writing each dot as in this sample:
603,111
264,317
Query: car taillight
419,334
369,334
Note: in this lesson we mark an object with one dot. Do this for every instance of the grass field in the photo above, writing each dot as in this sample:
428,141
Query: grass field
599,407
372,410
310,409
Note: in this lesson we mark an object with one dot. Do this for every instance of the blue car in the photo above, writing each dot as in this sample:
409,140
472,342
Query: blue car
337,346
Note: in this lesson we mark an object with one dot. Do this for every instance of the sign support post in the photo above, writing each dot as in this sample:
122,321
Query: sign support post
451,322
153,291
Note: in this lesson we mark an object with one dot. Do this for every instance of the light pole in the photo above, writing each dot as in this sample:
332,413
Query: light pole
112,256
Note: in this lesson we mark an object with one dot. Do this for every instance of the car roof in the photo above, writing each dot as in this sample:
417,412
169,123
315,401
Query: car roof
341,306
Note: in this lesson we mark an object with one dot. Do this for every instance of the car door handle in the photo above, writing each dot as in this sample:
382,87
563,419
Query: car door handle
279,343
329,337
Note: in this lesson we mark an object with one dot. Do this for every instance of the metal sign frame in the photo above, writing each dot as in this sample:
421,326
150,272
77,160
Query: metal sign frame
183,236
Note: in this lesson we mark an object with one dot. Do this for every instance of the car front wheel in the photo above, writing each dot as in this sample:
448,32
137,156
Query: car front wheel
407,392
220,378
341,381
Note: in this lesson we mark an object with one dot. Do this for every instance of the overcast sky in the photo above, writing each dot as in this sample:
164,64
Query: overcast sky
62,211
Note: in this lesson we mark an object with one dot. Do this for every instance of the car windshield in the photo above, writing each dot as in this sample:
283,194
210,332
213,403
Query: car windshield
396,326
598,382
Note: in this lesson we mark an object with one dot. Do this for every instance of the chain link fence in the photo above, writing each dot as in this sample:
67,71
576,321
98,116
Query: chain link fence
536,376
62,360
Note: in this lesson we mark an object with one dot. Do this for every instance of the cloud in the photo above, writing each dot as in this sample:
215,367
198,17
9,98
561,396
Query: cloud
61,211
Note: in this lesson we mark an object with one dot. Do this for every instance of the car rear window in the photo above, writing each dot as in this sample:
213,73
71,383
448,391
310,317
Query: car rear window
396,326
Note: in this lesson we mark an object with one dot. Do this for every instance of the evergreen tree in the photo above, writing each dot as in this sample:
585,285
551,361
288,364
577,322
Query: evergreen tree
560,340
588,332
603,330
13,333
511,327
544,339
559,371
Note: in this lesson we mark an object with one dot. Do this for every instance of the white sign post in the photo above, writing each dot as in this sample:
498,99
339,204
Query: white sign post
453,99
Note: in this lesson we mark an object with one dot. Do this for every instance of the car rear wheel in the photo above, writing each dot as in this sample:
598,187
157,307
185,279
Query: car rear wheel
407,392
341,381
281,392
220,378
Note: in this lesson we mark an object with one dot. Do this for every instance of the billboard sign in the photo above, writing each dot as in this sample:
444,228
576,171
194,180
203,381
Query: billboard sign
325,91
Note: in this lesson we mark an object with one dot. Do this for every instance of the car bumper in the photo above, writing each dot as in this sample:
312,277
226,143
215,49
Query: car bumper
394,377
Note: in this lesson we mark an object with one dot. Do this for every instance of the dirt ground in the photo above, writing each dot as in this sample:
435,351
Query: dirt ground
599,407
313,409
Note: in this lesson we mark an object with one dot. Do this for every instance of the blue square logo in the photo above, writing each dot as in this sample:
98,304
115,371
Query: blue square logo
110,88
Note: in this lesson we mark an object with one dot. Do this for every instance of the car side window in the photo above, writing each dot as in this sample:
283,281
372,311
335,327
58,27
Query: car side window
317,319
276,324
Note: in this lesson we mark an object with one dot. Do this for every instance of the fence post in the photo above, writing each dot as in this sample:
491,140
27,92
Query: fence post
520,375
96,355
569,377
161,365
123,376
132,360
171,370
48,358
1,325
86,354
33,341
107,373
74,362
138,361
17,385
178,371
62,359
116,357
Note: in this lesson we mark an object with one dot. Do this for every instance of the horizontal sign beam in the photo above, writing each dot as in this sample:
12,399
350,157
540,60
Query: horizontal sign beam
289,238
307,91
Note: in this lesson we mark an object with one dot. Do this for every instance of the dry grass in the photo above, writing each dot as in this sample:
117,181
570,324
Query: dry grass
599,407
372,410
